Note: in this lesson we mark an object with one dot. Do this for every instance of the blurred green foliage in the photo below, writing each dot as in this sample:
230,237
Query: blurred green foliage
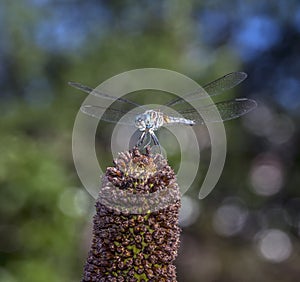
46,215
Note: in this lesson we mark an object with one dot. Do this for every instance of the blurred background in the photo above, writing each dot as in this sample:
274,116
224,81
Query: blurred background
248,228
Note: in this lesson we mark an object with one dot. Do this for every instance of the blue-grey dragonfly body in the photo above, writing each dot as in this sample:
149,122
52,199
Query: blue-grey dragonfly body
151,120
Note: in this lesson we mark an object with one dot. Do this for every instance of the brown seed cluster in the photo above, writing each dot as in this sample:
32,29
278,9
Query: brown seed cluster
133,246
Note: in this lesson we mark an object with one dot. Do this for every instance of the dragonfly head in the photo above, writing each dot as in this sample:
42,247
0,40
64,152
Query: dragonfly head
143,122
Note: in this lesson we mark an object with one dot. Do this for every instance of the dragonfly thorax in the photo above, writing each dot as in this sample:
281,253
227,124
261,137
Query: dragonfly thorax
149,120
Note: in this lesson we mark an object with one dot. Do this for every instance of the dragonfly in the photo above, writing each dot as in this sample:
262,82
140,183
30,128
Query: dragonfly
150,120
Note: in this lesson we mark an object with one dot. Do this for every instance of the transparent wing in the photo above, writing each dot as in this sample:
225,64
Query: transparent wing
216,87
109,114
96,93
227,110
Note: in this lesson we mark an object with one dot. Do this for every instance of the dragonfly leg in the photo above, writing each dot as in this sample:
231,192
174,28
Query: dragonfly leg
155,141
141,139
148,140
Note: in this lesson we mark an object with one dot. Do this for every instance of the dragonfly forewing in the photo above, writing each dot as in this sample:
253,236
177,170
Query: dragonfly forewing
226,110
213,88
97,93
109,114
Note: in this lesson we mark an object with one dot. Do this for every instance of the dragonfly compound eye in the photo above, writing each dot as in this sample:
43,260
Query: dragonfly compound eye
138,119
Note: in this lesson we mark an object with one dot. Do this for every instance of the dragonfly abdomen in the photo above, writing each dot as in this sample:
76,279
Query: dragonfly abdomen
178,120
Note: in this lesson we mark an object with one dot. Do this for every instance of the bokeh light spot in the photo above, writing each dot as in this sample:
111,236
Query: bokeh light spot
229,219
274,245
189,212
74,202
6,276
266,176
257,34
